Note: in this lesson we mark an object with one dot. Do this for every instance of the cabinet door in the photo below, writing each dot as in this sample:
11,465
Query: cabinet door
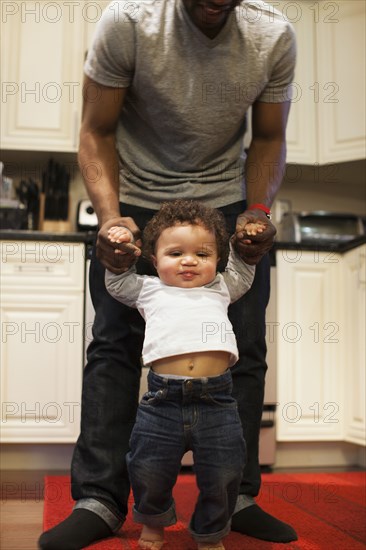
327,117
354,284
42,57
42,360
301,135
310,332
42,314
341,54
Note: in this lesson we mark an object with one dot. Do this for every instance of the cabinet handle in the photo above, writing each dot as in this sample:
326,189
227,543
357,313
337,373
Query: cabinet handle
33,268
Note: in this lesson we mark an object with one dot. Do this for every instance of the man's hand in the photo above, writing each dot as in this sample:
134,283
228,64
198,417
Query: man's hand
252,247
116,256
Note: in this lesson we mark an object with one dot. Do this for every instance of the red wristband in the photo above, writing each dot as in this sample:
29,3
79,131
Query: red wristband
263,207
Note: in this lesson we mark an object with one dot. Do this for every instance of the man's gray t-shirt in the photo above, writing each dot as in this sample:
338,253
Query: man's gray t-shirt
181,129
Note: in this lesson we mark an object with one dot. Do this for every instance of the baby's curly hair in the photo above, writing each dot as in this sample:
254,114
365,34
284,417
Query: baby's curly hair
186,212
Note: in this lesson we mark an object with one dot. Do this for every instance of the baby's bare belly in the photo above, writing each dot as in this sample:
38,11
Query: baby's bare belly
197,365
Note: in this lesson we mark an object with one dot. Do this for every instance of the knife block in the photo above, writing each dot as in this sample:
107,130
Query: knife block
51,226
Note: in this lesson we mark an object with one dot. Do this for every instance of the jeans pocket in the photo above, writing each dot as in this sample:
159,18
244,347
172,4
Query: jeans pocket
153,397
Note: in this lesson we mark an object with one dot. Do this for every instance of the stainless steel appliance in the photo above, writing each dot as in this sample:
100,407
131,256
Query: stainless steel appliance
86,218
13,214
319,226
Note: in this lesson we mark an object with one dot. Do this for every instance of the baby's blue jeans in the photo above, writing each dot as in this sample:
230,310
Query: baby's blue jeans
174,416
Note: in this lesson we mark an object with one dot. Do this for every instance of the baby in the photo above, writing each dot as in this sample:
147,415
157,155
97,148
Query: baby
190,346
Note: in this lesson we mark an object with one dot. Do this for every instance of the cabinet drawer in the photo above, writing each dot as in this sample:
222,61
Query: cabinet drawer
41,264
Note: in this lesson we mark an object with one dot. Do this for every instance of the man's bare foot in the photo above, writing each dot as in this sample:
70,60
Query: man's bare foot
152,538
210,546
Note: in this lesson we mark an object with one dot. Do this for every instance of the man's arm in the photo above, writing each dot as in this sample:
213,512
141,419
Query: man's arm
266,159
98,163
265,166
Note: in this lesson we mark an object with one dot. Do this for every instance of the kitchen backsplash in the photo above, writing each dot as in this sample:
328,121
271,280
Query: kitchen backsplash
24,165
338,188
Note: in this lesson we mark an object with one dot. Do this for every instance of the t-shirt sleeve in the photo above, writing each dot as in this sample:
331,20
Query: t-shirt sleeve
111,57
278,89
126,287
238,275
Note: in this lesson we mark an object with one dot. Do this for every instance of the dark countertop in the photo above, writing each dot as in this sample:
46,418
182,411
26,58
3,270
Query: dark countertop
321,246
23,235
88,238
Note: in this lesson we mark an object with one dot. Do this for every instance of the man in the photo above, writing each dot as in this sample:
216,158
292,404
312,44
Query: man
167,89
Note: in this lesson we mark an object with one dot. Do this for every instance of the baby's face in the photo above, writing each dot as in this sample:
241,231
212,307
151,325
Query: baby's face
186,256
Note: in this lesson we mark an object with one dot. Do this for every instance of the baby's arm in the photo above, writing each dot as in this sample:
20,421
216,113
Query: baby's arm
238,275
125,287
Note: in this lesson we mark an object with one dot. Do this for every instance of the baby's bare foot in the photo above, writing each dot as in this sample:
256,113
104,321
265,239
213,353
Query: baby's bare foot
152,538
151,544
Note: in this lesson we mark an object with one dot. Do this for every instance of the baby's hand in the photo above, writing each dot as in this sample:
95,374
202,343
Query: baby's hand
253,228
118,234
122,235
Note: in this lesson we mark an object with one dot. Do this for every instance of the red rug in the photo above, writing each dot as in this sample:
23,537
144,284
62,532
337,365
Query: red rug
328,512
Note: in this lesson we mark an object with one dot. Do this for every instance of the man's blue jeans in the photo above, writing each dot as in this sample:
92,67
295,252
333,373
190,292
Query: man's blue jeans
174,416
112,377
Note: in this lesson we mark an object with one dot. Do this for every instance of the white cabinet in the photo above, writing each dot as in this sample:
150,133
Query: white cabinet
354,359
341,56
321,327
302,143
310,334
42,57
327,117
42,305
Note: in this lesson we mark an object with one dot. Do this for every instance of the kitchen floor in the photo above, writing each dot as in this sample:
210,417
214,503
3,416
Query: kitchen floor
21,524
21,508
